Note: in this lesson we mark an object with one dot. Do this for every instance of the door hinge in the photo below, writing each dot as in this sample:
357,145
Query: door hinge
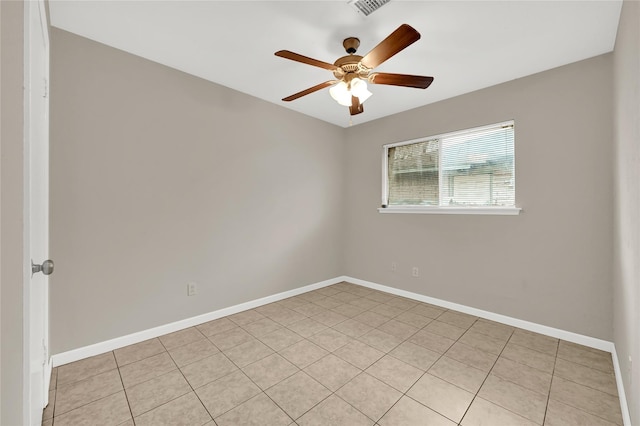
45,88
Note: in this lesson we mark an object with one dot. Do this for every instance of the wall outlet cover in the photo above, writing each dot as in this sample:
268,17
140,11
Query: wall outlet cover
192,289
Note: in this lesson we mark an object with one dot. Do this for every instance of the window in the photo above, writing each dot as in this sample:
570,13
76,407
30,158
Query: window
470,171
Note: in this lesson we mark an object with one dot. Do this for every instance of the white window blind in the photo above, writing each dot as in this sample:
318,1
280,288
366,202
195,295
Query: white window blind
470,168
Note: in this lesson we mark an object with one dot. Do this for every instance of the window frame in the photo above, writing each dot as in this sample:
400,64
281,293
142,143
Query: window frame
415,209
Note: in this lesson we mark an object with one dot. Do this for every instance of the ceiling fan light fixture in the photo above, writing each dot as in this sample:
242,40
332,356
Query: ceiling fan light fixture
343,91
341,94
359,89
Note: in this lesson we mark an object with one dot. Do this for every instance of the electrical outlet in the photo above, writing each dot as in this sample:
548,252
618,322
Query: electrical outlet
192,289
394,266
415,272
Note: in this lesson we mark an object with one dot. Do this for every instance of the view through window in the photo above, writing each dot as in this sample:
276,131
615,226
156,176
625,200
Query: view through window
473,167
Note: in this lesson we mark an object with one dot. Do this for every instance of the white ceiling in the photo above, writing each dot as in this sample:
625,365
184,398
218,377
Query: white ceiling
465,45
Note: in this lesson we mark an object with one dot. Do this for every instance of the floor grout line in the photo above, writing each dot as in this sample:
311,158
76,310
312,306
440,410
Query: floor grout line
124,389
546,408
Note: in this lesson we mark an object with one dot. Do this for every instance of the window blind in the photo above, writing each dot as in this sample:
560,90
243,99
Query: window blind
413,174
474,167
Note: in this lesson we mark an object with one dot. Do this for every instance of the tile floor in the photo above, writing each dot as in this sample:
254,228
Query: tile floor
341,355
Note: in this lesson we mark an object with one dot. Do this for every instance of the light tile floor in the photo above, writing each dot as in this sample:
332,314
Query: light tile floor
341,355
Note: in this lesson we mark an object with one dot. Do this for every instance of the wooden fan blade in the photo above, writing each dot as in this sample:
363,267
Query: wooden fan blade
305,60
356,107
417,81
310,90
398,40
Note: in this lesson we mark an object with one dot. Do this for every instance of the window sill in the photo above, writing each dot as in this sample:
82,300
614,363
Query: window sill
452,210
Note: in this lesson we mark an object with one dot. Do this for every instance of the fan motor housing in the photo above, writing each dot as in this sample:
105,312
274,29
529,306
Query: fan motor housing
350,64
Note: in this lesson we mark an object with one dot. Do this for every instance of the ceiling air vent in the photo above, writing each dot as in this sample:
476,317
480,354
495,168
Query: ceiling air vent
366,7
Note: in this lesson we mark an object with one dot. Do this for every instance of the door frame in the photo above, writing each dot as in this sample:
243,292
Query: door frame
32,415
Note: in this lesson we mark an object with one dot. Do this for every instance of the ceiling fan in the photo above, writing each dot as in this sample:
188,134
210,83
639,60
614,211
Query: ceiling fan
353,71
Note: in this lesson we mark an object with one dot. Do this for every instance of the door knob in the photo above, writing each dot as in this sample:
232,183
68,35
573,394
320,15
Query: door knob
46,267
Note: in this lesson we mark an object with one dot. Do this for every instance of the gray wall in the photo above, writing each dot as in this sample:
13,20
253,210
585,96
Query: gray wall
626,265
159,178
552,263
11,218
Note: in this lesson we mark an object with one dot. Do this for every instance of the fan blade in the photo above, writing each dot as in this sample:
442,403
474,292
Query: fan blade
305,60
398,40
356,107
310,90
417,81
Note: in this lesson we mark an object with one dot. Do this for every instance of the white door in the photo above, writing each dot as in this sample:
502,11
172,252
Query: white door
36,292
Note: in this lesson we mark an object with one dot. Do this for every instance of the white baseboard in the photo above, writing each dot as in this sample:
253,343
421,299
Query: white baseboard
626,417
592,342
130,339
109,345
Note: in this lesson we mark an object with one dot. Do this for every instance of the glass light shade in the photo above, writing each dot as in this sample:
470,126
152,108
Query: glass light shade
359,89
340,92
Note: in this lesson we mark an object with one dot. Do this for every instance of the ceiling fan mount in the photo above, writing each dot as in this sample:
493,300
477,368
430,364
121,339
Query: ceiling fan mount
353,71
351,44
